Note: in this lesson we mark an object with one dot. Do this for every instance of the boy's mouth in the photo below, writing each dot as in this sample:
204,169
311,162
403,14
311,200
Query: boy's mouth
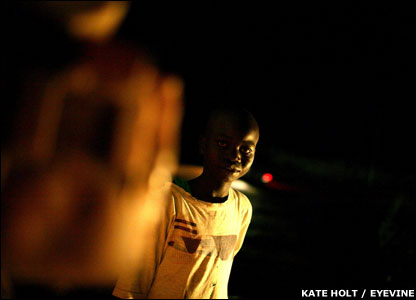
233,169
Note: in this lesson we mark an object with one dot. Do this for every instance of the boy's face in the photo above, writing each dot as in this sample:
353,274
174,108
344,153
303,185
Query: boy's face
228,148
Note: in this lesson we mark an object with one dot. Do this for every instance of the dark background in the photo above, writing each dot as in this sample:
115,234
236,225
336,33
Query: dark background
332,88
325,81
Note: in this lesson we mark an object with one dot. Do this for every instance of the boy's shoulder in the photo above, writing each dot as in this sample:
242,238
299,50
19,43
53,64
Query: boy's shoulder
180,186
242,199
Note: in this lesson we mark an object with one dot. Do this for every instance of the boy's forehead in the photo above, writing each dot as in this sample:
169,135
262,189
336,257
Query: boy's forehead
233,127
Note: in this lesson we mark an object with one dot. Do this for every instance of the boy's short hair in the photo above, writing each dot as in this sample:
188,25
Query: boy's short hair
240,114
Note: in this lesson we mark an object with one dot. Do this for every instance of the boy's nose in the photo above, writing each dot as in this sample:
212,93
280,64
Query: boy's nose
234,155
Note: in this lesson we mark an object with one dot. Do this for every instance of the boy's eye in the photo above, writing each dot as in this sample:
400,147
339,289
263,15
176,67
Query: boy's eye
246,150
222,144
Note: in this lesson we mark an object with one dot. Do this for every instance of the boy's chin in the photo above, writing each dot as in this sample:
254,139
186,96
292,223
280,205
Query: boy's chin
225,176
230,177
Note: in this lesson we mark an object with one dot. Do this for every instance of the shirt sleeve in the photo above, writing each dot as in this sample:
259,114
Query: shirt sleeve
246,212
135,284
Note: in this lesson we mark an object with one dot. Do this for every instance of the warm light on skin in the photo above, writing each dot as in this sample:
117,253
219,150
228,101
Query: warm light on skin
188,172
100,23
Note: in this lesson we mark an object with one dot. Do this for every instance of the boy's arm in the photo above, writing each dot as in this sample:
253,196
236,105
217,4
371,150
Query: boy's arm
136,283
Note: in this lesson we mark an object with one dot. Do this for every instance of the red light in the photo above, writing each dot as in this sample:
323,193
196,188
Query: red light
267,177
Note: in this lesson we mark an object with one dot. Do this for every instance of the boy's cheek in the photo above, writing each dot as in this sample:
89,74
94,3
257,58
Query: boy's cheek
247,162
213,157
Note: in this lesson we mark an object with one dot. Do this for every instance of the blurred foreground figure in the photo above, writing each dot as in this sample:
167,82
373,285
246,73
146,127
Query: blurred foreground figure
92,21
88,149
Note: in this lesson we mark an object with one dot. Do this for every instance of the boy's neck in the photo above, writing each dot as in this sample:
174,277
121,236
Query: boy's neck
205,189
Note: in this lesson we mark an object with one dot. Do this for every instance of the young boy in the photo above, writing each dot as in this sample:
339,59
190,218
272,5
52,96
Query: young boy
206,220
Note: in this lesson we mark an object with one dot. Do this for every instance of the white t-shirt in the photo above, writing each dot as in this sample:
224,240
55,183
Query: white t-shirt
193,253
